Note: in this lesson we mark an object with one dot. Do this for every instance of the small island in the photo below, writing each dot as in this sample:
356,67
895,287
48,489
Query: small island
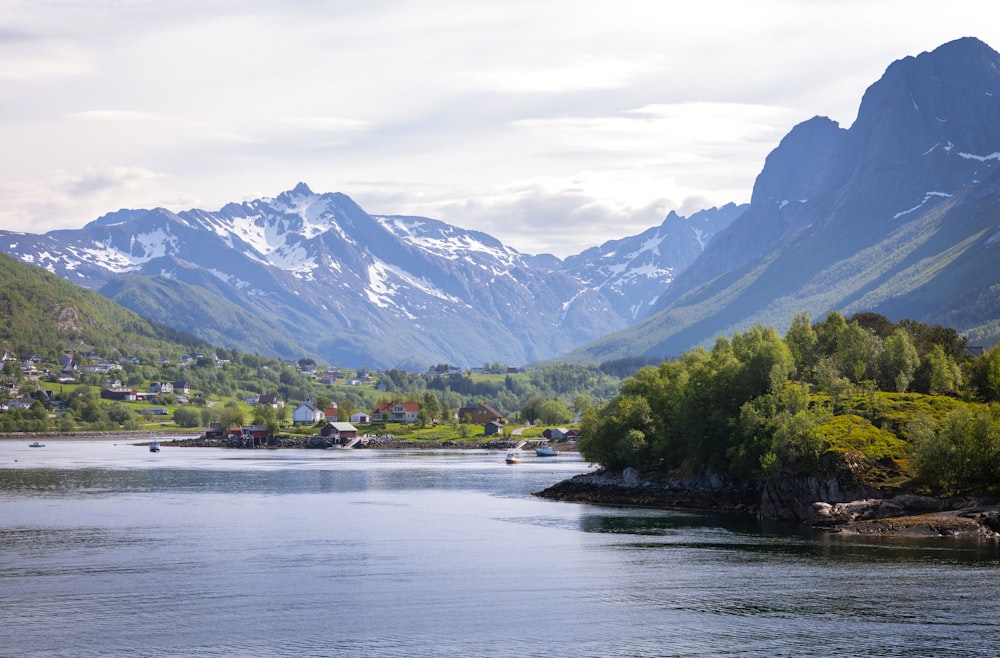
862,426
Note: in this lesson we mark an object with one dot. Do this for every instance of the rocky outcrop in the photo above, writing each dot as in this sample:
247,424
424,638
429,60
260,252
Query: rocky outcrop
835,497
911,516
708,491
838,480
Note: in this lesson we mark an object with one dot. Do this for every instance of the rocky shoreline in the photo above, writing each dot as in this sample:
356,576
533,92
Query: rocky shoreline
893,516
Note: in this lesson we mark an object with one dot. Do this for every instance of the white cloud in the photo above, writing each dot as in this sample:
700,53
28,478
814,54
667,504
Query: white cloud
552,125
582,73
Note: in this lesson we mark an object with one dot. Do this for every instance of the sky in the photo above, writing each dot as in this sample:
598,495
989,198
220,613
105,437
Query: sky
552,125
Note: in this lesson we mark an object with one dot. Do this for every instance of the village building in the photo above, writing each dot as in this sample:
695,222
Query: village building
396,412
560,434
492,428
480,415
125,394
270,400
306,414
339,431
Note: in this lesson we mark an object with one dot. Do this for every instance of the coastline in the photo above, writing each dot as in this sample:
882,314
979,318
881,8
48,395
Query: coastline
904,516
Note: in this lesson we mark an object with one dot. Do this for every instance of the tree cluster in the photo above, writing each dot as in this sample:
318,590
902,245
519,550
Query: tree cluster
758,404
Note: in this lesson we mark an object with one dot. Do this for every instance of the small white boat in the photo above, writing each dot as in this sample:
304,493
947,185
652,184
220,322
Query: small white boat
513,457
546,451
154,446
36,444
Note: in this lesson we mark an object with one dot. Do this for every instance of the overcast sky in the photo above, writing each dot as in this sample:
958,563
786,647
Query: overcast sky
553,125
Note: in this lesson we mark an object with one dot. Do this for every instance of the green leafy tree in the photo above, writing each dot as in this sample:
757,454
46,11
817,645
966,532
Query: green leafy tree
187,417
897,362
119,413
991,375
829,333
531,409
267,416
857,352
961,456
345,408
552,412
618,435
801,340
231,416
431,406
943,373
209,415
826,374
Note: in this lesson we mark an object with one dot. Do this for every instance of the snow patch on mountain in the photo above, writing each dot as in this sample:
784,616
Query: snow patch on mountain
449,242
229,279
384,287
154,244
980,158
112,260
927,197
295,259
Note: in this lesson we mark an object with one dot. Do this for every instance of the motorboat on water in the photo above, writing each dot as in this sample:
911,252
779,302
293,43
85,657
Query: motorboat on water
36,444
154,446
513,457
546,451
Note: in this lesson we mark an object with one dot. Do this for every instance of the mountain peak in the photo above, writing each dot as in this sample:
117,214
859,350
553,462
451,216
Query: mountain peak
301,190
949,96
792,170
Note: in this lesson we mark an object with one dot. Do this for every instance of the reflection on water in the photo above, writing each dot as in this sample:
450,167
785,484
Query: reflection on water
747,535
108,550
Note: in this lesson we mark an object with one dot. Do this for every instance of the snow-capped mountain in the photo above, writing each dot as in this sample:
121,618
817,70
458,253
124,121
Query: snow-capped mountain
314,274
628,270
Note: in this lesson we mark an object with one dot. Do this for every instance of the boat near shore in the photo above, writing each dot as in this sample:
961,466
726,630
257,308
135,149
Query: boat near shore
546,451
36,444
513,457
154,446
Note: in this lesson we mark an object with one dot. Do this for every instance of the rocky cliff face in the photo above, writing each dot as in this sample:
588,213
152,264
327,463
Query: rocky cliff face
794,497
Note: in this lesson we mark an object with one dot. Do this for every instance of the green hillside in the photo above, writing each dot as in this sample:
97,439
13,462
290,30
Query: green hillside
44,314
217,319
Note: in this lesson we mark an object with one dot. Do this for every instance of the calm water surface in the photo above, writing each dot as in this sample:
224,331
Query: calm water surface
107,549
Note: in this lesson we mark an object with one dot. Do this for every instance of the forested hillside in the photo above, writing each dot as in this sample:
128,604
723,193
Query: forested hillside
42,313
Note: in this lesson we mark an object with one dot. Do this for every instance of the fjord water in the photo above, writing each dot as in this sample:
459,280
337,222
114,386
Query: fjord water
108,549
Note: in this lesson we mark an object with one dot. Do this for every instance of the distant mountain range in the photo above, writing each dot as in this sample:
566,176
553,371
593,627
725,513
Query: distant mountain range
308,274
899,214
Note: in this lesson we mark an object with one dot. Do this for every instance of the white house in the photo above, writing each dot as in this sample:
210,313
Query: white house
306,414
361,417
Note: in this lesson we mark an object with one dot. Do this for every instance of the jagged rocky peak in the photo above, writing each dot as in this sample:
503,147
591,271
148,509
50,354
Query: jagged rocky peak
301,189
797,166
949,97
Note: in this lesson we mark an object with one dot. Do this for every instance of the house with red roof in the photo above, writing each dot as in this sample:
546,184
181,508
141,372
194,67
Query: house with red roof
396,412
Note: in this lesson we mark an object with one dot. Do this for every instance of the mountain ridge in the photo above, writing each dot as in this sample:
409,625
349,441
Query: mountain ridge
898,214
307,274
838,216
